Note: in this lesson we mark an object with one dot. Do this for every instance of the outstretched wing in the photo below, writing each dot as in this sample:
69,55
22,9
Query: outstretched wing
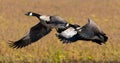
91,31
36,32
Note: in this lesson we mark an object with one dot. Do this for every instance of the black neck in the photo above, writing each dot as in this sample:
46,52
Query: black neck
74,25
36,15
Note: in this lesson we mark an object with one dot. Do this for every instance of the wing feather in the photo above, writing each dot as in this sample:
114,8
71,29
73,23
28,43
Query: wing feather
91,31
36,32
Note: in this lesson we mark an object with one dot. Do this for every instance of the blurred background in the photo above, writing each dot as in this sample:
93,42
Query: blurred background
14,25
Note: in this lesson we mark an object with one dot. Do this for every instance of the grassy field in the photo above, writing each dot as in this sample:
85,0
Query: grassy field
14,25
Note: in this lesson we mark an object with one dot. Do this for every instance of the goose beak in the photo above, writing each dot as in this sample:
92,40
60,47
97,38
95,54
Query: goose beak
27,14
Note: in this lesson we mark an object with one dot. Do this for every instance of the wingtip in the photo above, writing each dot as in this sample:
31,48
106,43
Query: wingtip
11,44
90,20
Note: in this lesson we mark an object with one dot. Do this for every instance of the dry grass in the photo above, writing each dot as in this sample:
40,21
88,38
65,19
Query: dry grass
14,24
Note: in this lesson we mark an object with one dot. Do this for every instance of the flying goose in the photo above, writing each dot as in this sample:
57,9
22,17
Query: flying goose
89,32
39,30
54,20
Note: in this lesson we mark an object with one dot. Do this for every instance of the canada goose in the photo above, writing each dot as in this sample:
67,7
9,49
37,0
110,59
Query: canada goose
38,31
89,32
53,20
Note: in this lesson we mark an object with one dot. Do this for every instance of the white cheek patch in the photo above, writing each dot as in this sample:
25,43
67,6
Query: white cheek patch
78,28
67,25
30,14
70,32
44,17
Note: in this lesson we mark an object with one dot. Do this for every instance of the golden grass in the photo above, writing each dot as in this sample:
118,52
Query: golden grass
14,24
